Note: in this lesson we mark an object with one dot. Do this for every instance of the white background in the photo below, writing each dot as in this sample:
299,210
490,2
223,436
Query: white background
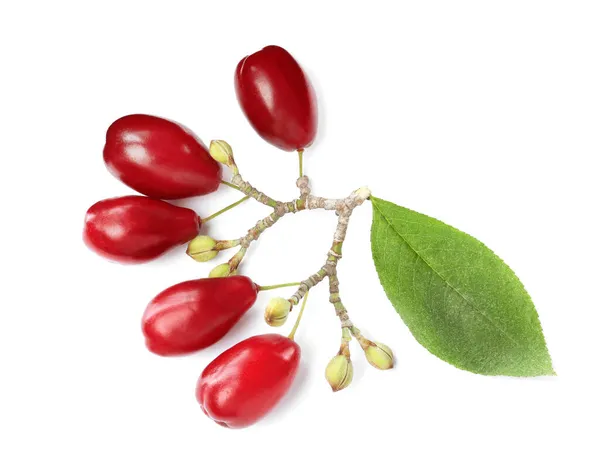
483,114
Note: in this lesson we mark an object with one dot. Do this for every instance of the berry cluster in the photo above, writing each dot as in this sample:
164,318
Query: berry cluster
164,161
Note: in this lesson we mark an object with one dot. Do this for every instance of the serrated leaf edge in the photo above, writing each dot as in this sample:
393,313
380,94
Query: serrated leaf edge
375,200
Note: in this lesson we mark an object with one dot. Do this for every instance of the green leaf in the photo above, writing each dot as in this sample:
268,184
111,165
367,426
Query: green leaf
459,299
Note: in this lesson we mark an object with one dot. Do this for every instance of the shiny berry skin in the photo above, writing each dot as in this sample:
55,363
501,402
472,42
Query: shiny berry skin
135,229
245,382
277,98
192,315
159,158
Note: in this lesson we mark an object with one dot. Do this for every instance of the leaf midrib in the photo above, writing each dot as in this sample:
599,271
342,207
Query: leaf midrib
466,300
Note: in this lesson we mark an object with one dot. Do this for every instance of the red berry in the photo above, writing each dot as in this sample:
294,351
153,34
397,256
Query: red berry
192,315
135,229
159,158
245,382
277,98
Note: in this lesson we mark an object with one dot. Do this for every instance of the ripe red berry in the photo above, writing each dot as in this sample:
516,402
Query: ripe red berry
192,315
245,382
277,98
159,158
135,229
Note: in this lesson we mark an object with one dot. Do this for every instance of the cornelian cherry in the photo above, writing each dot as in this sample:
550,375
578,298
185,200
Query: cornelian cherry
277,98
135,229
192,315
159,158
245,382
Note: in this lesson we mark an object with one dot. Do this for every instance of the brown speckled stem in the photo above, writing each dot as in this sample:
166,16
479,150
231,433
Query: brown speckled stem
343,209
306,201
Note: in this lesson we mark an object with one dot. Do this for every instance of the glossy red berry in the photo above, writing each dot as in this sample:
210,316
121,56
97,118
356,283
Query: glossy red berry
245,382
277,98
192,315
159,158
135,229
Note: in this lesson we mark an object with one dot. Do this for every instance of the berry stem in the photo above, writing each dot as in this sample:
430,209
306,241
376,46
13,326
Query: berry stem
280,285
223,210
293,333
233,186
300,155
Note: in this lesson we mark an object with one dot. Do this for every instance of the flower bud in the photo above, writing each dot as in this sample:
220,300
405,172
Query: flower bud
379,355
339,372
201,248
363,193
277,311
221,152
222,270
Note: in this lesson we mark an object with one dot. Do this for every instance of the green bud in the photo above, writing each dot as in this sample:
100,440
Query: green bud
221,152
201,248
339,372
277,311
222,270
379,355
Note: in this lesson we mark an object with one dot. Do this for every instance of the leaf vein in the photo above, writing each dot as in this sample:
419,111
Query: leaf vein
466,300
